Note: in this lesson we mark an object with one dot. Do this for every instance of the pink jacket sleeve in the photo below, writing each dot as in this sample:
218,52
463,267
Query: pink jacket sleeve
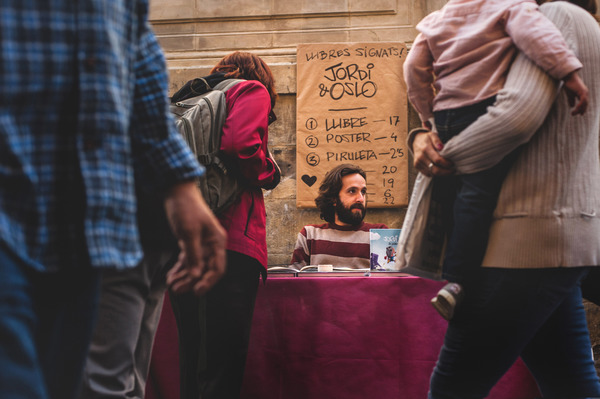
537,37
418,74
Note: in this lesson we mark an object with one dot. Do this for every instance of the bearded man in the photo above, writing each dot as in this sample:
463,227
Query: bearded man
344,239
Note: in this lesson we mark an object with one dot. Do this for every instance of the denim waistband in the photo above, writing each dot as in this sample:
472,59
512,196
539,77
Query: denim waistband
450,122
475,108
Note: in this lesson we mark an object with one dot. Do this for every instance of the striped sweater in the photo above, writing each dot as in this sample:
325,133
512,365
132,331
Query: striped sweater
331,244
548,212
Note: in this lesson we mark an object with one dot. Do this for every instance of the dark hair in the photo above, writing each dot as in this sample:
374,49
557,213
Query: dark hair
590,6
329,190
244,65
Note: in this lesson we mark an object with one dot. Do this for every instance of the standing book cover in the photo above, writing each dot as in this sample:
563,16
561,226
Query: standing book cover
383,249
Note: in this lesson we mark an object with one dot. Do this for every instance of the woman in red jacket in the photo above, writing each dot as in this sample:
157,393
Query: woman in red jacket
214,330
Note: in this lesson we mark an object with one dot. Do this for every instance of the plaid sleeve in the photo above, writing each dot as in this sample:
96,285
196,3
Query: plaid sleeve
162,158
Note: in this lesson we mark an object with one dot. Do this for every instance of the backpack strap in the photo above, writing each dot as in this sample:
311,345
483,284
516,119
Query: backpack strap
197,86
215,157
227,84
191,89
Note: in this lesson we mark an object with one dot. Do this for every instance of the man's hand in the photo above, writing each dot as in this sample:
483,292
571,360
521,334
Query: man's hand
201,238
427,159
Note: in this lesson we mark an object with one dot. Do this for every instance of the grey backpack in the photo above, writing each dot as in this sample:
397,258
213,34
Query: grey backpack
200,121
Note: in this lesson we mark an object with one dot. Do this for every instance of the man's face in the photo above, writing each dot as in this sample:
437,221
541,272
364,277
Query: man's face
350,207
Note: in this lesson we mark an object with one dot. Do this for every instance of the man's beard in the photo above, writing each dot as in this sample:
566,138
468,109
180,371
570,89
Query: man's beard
347,215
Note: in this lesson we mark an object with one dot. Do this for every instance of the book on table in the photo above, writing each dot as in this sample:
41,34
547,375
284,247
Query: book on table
332,271
384,243
315,270
327,271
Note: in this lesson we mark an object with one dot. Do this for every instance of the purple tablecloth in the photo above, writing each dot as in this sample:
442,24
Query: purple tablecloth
336,337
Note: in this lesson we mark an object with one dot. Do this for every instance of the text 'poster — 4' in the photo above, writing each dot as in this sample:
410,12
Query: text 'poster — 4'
352,108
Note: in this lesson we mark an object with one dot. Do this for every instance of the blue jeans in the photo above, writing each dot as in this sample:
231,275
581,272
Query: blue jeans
46,322
468,201
533,313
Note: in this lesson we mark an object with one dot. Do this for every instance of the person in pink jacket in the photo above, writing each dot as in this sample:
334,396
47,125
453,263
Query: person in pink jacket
214,330
455,68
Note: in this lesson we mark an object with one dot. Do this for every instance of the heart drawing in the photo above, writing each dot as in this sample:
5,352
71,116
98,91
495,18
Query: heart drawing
309,180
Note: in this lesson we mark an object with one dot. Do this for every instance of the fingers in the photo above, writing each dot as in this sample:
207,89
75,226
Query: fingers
581,106
427,159
202,240
571,97
576,90
425,166
430,169
209,279
191,246
436,170
213,272
201,262
178,278
198,277
436,142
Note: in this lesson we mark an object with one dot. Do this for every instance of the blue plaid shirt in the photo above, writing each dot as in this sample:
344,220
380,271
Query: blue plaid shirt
83,104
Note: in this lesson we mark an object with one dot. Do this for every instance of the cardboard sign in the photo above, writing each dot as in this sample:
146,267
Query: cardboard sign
352,108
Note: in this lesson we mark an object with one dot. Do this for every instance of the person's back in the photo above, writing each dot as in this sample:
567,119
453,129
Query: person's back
84,118
465,50
546,230
558,202
529,194
216,328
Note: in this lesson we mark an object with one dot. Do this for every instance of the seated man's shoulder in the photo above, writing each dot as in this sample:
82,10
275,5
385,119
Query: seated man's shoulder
309,229
369,226
312,230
